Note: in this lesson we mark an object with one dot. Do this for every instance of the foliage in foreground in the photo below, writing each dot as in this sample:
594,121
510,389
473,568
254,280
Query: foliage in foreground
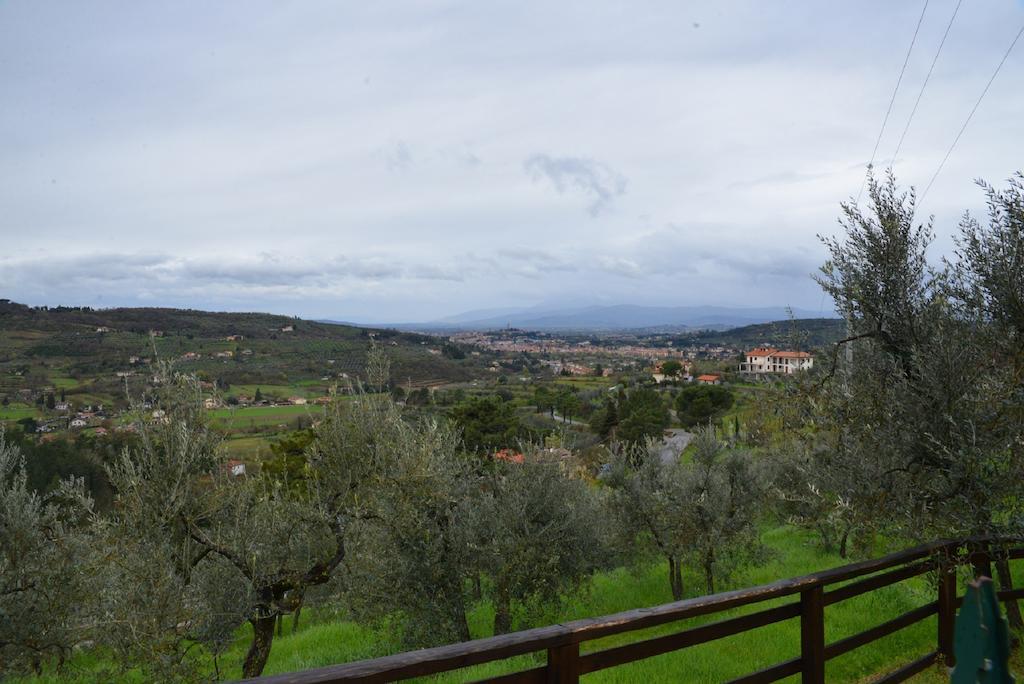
46,565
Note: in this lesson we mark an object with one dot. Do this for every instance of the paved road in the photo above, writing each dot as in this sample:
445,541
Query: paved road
673,444
572,421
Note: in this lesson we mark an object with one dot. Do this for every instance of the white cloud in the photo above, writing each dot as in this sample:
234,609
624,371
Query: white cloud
377,151
600,184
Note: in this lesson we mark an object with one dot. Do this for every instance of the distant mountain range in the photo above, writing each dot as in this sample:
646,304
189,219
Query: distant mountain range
617,317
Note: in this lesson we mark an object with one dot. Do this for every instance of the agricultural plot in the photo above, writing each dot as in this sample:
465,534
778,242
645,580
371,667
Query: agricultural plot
284,417
16,412
249,449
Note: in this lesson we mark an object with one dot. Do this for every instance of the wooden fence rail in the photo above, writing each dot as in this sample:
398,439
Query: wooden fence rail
814,593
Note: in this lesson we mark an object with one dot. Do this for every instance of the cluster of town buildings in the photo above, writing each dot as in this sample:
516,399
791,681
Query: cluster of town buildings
243,400
684,373
758,361
531,343
559,367
69,418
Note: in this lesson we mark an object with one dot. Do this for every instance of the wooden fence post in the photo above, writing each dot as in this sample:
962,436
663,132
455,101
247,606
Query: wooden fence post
947,609
564,664
981,559
812,635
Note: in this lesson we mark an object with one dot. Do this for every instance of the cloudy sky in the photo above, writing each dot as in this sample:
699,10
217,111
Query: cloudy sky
381,161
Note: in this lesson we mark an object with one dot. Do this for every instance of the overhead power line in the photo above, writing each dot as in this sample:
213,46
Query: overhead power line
971,115
924,85
894,91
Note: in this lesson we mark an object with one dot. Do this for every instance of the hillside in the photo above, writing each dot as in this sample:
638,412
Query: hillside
93,353
805,333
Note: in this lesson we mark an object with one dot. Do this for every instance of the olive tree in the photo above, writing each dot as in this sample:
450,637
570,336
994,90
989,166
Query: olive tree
46,568
196,544
165,484
412,558
988,284
701,512
281,540
537,533
720,494
647,502
814,491
919,399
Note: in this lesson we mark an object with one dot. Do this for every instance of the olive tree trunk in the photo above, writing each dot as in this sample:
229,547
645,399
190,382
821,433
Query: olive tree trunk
675,577
709,570
259,650
502,611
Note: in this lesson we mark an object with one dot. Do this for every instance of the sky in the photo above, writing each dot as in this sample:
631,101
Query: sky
403,161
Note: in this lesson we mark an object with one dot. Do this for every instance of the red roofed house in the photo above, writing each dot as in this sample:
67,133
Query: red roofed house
763,360
709,379
234,467
509,456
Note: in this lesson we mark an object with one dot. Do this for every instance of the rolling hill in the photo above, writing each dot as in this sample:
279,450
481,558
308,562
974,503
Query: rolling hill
93,353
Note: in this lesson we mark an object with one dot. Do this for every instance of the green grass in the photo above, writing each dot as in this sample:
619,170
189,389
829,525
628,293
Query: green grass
585,381
744,653
17,412
625,589
63,382
247,448
261,416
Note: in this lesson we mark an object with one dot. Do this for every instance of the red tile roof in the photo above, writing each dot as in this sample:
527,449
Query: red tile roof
510,456
762,351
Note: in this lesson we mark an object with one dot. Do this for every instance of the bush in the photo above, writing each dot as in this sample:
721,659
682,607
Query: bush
700,403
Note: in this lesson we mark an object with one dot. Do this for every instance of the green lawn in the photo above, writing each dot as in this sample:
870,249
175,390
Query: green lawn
247,448
261,416
585,381
744,653
322,640
63,382
17,412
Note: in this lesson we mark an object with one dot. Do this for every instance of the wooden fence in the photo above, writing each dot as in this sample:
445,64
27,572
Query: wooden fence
812,594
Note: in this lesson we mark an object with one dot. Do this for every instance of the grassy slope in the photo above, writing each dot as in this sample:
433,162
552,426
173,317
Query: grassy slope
321,642
327,643
18,411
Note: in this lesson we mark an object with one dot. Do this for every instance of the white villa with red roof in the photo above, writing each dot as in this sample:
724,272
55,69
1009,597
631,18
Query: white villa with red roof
764,360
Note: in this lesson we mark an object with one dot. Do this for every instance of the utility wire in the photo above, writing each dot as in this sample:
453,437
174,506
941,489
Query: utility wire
925,84
969,116
893,98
